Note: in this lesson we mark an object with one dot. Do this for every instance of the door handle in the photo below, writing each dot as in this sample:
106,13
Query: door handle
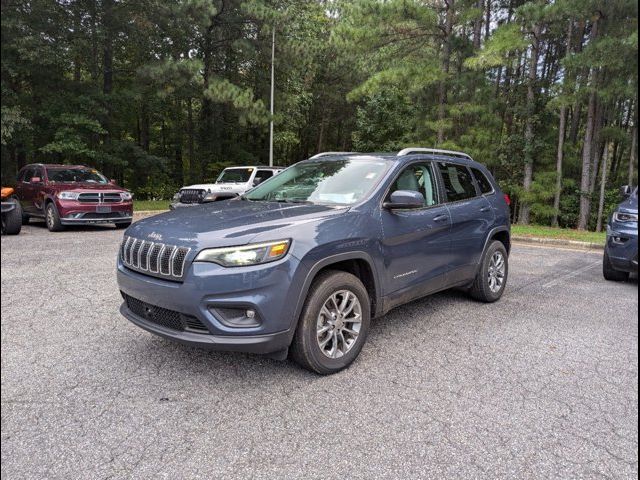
485,209
440,218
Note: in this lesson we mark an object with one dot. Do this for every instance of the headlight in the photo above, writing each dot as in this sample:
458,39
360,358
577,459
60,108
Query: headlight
625,217
246,255
68,195
126,196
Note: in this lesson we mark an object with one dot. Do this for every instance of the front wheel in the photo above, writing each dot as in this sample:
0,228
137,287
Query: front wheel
334,323
12,220
52,218
491,278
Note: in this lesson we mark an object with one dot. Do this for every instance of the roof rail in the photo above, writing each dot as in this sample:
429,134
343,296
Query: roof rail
410,150
326,154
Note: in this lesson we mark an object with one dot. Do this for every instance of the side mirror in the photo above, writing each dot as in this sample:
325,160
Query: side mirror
113,181
36,180
404,199
257,181
625,191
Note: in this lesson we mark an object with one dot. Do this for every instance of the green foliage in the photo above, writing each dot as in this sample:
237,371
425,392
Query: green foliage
161,94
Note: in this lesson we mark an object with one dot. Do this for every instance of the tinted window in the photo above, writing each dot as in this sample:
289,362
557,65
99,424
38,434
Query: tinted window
28,173
235,175
417,178
457,182
262,175
483,181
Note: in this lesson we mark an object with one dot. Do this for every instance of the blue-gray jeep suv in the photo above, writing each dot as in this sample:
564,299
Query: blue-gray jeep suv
621,250
307,258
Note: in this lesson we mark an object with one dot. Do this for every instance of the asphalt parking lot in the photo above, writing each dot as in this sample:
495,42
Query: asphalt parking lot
542,384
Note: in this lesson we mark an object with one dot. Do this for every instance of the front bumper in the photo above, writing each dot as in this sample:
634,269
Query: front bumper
261,344
271,290
75,213
7,206
622,247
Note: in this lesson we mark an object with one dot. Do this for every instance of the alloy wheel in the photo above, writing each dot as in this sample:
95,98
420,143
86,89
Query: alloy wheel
338,324
497,271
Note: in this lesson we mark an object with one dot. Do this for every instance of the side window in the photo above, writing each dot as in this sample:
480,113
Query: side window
261,176
28,173
483,181
418,178
38,173
457,181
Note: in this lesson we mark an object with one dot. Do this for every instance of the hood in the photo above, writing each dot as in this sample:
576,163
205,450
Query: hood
85,187
228,223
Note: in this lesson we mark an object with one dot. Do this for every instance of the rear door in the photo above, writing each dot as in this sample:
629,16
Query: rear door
416,241
471,220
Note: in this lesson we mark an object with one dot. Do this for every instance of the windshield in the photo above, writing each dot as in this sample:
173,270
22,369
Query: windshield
75,175
340,182
235,175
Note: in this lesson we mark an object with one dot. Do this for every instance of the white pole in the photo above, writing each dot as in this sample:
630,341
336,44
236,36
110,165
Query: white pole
273,55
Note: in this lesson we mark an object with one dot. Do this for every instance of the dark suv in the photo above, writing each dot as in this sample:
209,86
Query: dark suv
71,195
307,258
621,250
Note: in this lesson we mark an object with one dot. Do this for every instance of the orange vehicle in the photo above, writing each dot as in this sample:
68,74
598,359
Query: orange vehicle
11,213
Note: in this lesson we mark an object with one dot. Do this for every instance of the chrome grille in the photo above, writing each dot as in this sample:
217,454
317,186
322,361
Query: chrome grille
99,197
191,195
153,258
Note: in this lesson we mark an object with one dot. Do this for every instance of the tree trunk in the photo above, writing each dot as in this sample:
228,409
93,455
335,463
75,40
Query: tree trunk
529,125
477,26
561,134
603,185
487,20
632,155
446,61
585,180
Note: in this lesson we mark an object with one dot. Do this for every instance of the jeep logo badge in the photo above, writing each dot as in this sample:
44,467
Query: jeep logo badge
155,236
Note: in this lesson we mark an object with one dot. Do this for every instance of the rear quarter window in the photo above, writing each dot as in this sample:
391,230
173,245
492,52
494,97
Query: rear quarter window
483,181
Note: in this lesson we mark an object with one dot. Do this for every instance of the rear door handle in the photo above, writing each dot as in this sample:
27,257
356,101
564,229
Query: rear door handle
440,218
485,209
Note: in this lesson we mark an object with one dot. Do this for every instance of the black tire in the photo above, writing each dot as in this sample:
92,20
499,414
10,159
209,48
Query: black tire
481,289
123,225
611,273
305,348
25,217
12,221
52,218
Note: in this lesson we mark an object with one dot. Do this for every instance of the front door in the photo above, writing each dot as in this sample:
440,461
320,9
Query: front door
415,242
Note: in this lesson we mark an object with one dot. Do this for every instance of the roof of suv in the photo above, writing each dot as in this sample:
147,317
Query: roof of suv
435,154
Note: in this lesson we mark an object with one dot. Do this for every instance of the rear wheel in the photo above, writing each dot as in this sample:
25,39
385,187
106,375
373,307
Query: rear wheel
491,279
611,273
12,221
52,218
334,323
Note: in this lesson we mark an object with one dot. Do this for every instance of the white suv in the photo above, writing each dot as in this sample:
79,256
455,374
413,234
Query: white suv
233,181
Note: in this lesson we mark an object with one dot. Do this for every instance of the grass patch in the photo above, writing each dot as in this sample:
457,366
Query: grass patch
141,205
560,233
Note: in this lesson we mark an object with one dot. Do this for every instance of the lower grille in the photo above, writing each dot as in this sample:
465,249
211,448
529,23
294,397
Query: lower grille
164,317
191,195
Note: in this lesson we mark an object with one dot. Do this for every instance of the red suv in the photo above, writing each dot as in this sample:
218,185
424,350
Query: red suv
71,195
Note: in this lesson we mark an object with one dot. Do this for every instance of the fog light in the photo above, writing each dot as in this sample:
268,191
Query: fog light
236,317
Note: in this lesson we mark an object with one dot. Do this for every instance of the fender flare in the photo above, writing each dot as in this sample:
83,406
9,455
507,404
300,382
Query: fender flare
490,235
325,262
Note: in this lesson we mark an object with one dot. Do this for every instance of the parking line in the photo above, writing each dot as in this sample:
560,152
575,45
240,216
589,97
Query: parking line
567,276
